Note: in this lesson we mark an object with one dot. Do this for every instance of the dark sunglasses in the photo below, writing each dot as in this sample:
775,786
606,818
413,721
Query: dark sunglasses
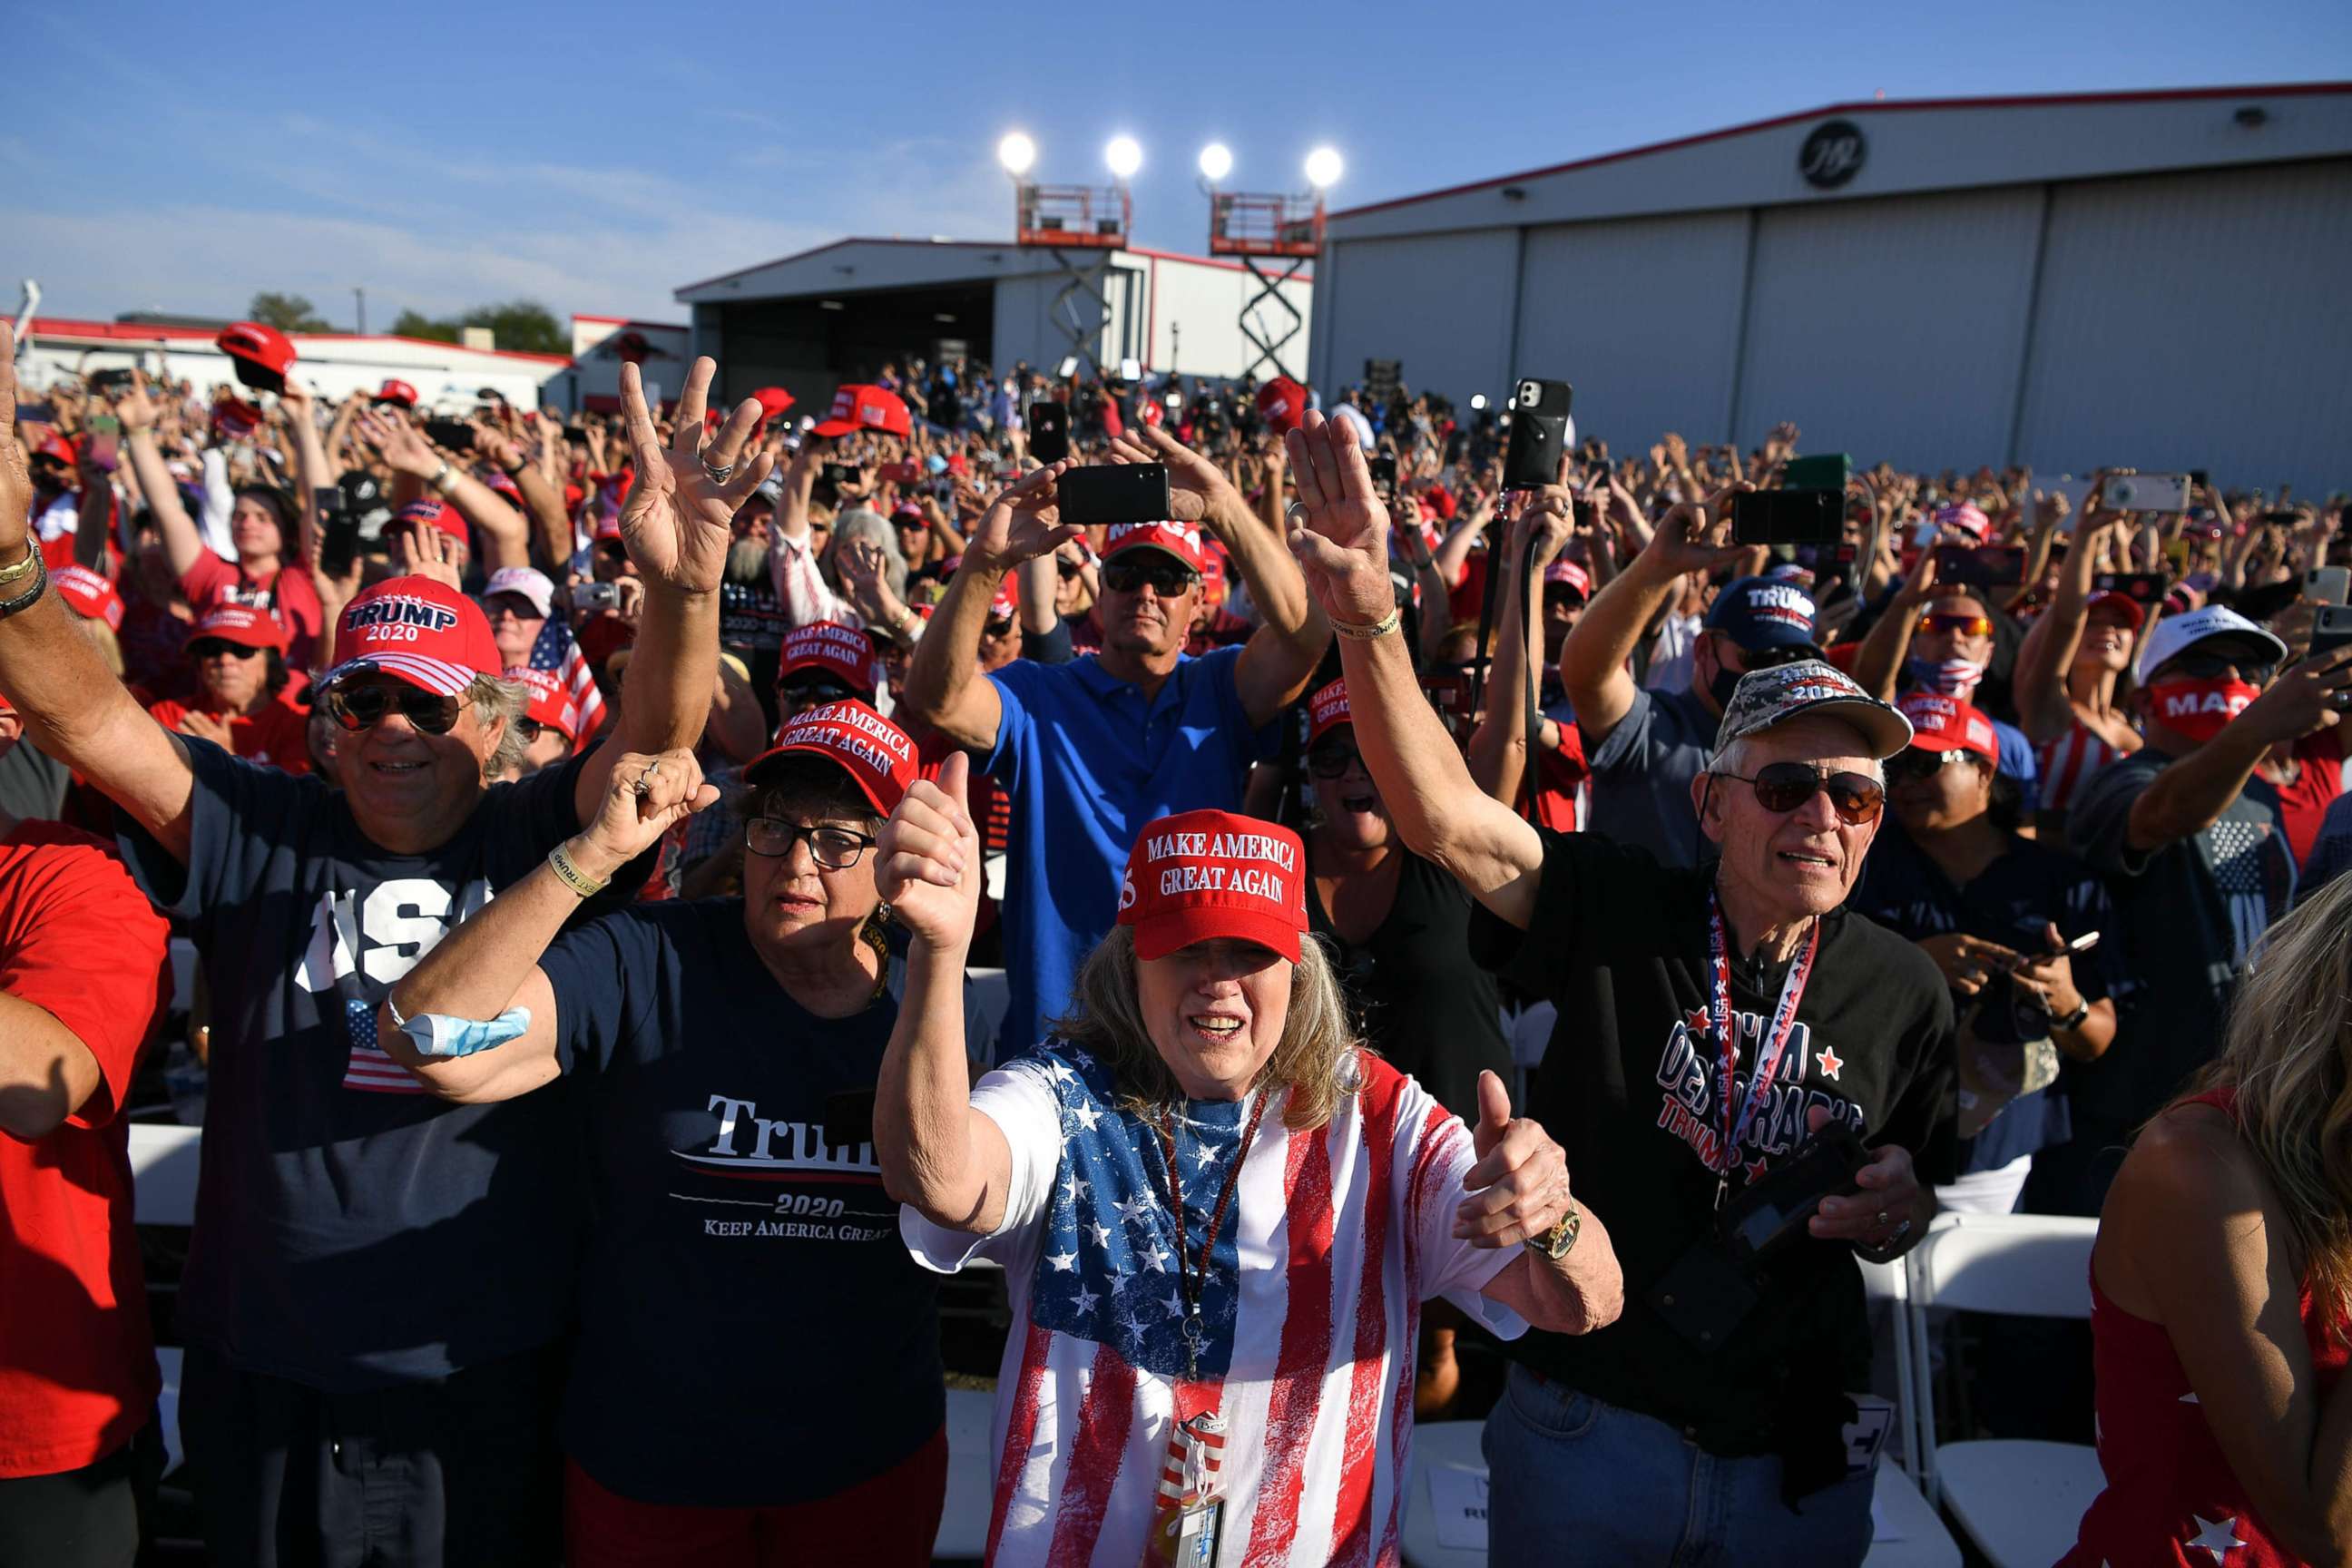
2218,666
1955,624
1784,787
1332,762
213,647
1129,576
835,848
1912,763
997,629
530,730
808,693
358,708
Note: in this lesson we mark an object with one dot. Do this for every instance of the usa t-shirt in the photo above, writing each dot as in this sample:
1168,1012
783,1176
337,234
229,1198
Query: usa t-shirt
751,1331
1311,1311
352,1230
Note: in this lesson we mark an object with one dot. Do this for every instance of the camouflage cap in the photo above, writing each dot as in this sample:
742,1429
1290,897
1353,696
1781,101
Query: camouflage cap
1768,697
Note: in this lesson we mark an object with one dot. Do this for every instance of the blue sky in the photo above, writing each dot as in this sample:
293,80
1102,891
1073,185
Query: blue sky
596,156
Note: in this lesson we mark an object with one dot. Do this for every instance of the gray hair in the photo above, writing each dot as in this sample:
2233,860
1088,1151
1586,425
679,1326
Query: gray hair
500,701
865,523
1315,1058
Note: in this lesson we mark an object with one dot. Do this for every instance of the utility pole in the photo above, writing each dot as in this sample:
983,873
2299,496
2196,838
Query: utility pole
360,295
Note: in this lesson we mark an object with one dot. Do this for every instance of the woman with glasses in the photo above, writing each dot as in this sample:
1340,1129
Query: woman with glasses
1995,910
239,655
724,1054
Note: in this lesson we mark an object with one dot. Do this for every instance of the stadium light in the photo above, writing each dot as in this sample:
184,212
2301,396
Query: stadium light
1323,168
1016,153
1124,156
1216,161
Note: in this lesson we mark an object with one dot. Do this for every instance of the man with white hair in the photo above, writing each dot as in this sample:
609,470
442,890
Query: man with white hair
1718,1025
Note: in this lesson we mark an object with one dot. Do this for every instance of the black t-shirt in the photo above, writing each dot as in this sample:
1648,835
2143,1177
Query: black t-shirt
352,1230
753,1330
1427,1006
1628,1086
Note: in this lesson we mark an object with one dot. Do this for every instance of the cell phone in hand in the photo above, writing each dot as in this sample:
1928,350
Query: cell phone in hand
1385,476
2331,629
1539,421
1049,432
451,434
2142,588
111,382
900,473
2147,492
840,474
1980,565
1113,492
1788,517
339,530
596,596
2327,584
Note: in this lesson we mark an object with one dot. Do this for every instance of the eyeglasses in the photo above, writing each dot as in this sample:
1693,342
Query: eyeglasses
213,647
1784,787
1332,762
1167,580
1956,625
358,708
530,730
2217,665
997,629
1916,762
834,848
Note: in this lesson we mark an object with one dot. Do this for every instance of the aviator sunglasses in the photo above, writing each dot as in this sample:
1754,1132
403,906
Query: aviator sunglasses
1784,787
358,708
1167,580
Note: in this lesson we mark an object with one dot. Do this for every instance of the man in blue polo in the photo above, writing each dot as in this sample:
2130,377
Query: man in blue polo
1090,751
1644,747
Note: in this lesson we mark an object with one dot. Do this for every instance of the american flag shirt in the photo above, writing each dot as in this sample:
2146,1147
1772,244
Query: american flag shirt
1311,1308
557,651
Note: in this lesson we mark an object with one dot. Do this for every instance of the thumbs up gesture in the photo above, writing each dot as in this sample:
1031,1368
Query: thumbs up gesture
1518,1189
927,860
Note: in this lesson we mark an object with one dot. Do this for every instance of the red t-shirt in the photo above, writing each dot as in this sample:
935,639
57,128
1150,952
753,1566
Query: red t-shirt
77,1358
277,733
287,596
2318,780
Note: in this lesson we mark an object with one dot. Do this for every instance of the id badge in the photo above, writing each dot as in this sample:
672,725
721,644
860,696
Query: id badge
1191,1514
1867,1434
1197,1529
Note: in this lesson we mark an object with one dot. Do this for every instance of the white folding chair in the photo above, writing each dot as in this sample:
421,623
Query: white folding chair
1434,1444
2018,1501
164,1158
971,1490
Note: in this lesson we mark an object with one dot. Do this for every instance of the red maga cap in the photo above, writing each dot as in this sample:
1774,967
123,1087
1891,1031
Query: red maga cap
397,393
836,649
550,699
1570,574
58,447
240,624
1327,710
430,513
2131,609
424,632
857,406
1965,516
1282,404
875,753
234,418
1941,724
1182,539
263,354
89,595
772,401
1201,875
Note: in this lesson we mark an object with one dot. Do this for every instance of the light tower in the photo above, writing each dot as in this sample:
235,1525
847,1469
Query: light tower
1260,228
1059,219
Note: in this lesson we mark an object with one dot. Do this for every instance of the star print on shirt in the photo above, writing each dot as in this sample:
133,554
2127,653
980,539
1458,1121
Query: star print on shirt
2216,1539
1831,1063
1157,1259
1135,1209
1204,1156
1755,1170
1063,1262
1175,1305
1100,1232
1087,1299
1085,1115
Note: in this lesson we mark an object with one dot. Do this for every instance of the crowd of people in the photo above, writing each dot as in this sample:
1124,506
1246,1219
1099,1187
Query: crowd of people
1433,913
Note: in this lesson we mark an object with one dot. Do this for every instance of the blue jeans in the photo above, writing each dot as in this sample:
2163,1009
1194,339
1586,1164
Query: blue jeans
1574,1480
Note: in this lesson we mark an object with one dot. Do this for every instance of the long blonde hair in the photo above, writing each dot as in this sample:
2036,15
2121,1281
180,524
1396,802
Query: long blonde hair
2288,1056
1315,1059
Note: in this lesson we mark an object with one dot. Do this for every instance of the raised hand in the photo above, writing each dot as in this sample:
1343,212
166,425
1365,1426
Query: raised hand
134,407
399,443
1518,1189
645,796
1339,529
1023,522
427,552
677,522
1695,536
15,479
1198,491
927,860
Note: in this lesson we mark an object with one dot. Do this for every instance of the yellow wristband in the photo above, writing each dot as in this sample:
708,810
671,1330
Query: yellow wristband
571,876
22,568
1361,633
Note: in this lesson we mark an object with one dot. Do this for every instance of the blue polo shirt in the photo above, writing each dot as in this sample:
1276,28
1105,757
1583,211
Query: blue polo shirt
1086,762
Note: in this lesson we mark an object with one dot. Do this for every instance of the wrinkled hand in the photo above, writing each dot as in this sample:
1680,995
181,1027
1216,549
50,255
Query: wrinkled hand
1023,521
645,795
1890,1191
1695,536
927,860
1198,491
426,553
1518,1188
1337,528
1550,519
399,443
677,522
1967,962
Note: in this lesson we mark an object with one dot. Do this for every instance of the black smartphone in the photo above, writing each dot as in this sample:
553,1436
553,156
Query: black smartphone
2200,478
1539,419
452,435
1827,471
1113,492
840,474
2331,629
1832,565
1385,476
1980,565
1049,432
1773,1211
110,381
2142,588
1788,517
576,433
2283,517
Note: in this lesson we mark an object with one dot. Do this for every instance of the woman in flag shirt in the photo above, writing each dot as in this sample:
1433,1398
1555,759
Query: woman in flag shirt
1218,1213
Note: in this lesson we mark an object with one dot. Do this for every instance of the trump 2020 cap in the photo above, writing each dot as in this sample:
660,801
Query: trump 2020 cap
1761,614
1201,875
876,753
1765,698
423,631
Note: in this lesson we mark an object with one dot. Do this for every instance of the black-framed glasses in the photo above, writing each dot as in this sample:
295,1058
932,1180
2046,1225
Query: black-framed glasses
2211,665
1916,762
1168,579
1784,787
213,647
834,848
1332,762
358,708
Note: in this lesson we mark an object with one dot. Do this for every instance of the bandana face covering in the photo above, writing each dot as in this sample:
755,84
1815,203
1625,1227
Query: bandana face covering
2198,708
1946,677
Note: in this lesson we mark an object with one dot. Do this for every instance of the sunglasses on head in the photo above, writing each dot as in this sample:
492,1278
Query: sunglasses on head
1333,761
1956,623
213,647
1918,762
358,708
1784,787
1167,580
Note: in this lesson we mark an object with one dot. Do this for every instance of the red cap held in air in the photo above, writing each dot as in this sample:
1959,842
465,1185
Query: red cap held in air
861,407
260,355
1282,404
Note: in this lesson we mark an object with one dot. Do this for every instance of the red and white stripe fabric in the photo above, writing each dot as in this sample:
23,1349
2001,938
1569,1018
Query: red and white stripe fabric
2068,763
1342,1233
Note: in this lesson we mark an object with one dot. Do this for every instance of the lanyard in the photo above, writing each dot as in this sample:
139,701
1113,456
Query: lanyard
1189,1285
1736,1118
